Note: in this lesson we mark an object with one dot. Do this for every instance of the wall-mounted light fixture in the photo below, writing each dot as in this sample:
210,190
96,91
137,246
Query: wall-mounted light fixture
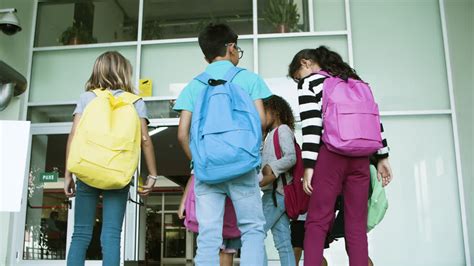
9,22
12,83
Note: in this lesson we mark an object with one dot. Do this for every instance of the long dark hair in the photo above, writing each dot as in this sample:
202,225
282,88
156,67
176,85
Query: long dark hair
281,109
328,60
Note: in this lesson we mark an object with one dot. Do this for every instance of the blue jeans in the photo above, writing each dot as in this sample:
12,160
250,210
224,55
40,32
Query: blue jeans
210,200
113,211
278,222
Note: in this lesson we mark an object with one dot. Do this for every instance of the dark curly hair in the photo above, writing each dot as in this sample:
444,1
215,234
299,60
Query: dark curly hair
328,60
281,109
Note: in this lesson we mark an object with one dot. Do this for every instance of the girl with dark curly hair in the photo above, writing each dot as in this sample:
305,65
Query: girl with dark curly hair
279,116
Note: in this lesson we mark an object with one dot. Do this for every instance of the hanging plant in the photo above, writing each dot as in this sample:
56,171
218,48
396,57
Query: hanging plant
283,15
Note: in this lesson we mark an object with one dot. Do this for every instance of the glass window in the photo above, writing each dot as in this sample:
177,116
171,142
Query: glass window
81,22
169,74
161,109
172,201
50,82
174,245
183,18
329,15
50,113
404,61
282,16
286,48
47,207
153,227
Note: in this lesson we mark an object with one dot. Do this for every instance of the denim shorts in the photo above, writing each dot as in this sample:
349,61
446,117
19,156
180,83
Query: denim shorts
231,245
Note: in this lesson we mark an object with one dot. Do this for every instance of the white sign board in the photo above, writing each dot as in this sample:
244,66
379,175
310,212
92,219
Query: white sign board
14,142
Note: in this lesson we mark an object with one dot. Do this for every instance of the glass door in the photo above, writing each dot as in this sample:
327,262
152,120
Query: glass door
47,209
49,219
167,240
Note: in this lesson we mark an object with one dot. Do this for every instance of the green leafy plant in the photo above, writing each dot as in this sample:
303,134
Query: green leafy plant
282,14
77,34
203,23
152,30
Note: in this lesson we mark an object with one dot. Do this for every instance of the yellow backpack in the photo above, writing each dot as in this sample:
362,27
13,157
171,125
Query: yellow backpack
105,149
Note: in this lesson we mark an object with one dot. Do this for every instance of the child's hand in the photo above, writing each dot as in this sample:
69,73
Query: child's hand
384,171
268,176
308,177
181,215
267,179
146,189
69,186
267,170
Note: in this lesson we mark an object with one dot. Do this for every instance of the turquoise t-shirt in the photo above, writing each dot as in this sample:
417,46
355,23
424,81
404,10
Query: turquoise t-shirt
248,81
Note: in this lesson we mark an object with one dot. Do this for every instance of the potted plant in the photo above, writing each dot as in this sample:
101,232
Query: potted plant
203,23
77,34
282,14
152,30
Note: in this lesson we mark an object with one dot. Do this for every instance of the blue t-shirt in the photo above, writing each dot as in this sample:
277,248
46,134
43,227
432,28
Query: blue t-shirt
88,96
250,82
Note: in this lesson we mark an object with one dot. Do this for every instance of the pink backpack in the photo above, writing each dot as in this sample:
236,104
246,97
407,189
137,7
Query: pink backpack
351,118
296,200
230,229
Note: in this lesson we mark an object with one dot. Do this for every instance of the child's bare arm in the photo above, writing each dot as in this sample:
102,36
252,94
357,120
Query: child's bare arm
183,199
69,185
261,112
183,132
149,154
268,176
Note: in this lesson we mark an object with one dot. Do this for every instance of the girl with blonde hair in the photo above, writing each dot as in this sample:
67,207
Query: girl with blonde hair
112,74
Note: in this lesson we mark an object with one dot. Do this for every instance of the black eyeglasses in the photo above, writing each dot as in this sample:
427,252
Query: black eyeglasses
239,50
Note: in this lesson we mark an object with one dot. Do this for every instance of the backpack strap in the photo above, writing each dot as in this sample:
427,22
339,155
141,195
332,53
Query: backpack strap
206,79
102,93
126,96
203,78
231,73
277,147
329,84
130,97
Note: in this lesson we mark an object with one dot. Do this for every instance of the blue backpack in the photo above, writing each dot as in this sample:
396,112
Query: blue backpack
226,131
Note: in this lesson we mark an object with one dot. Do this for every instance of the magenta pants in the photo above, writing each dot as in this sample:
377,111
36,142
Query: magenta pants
335,174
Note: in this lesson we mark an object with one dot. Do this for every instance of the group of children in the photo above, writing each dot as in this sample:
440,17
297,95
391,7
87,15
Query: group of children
333,175
327,174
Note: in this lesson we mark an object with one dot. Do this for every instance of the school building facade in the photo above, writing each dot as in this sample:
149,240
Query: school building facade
417,55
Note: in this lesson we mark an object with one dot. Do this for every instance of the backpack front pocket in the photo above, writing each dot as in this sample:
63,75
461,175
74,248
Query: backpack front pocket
102,150
358,121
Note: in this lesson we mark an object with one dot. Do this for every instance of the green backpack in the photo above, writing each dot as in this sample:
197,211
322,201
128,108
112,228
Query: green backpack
378,203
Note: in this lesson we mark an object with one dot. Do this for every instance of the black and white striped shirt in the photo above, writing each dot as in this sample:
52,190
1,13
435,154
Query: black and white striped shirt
310,94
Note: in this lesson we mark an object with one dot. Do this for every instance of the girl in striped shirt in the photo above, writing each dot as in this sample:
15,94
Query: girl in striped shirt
328,174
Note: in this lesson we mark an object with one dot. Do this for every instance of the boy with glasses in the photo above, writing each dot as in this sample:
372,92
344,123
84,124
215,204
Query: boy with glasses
219,46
